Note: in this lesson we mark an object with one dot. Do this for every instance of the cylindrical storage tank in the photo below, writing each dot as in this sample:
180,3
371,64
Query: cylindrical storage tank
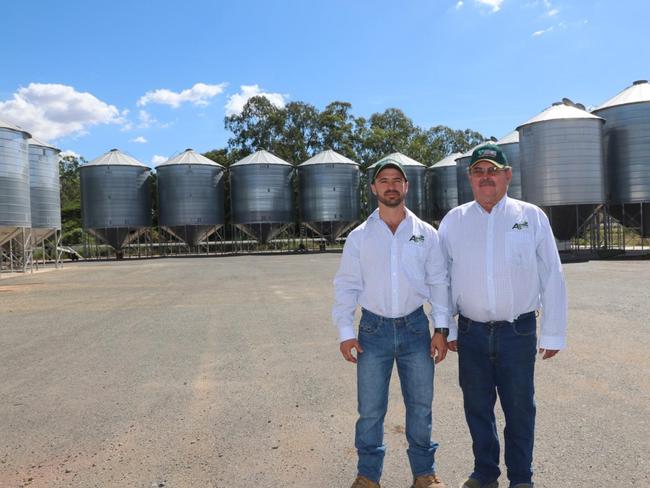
328,186
190,196
15,211
261,195
45,191
415,171
115,198
562,165
462,167
443,186
510,146
627,155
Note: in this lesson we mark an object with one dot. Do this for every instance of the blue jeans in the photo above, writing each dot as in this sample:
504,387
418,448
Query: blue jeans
405,341
499,357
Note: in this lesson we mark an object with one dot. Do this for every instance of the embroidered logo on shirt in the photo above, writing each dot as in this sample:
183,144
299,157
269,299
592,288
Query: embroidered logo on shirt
417,239
523,225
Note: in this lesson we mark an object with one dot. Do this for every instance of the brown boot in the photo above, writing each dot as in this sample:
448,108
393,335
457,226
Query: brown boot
428,481
363,482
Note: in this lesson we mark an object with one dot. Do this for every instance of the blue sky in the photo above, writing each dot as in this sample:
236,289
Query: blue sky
155,77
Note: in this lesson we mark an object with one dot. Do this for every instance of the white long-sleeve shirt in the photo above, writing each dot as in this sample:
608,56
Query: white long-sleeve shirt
390,274
503,264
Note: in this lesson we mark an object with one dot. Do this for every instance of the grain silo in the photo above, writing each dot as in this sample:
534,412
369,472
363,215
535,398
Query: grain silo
443,186
261,195
562,165
329,194
190,196
627,155
510,146
15,212
45,192
415,173
115,198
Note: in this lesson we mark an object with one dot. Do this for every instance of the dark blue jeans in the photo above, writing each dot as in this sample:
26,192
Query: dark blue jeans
499,357
405,341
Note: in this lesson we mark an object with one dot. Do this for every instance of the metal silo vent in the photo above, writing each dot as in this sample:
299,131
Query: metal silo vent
639,82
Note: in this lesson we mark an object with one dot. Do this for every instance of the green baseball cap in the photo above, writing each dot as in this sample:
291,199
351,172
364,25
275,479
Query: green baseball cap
490,153
388,163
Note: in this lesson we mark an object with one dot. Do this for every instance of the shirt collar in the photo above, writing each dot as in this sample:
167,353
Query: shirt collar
498,207
408,220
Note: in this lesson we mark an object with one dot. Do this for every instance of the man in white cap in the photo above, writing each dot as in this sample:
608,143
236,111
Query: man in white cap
391,265
504,268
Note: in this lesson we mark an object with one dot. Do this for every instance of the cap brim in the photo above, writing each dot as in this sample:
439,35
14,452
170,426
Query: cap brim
491,161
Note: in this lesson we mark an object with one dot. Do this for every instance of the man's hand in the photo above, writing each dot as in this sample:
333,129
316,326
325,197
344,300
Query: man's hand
346,349
438,347
548,353
453,346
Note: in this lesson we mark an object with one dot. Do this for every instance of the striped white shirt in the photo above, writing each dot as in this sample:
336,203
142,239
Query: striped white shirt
503,264
390,274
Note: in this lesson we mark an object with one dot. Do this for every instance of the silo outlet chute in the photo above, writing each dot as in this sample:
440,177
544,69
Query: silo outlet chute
329,194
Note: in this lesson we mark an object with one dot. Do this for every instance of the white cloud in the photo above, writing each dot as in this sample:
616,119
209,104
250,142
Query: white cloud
199,94
145,119
70,153
237,101
495,4
542,32
459,5
139,140
157,159
553,12
50,111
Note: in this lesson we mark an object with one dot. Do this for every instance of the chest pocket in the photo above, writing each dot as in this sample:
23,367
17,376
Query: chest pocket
413,259
520,249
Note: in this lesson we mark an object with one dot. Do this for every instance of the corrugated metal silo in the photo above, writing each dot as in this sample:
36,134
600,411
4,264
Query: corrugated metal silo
15,213
329,194
443,186
462,166
45,192
562,165
261,195
510,145
115,198
627,154
416,174
190,196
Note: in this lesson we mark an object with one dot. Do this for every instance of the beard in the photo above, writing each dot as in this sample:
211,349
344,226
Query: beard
391,199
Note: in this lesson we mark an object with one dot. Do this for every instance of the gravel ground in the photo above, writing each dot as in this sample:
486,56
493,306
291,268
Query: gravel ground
225,372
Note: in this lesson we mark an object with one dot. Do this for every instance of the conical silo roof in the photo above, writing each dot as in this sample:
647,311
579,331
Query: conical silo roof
6,125
261,157
189,156
38,142
328,157
447,161
510,138
115,157
564,110
638,92
400,158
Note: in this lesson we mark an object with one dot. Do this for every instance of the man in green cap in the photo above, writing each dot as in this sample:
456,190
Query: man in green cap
391,265
504,268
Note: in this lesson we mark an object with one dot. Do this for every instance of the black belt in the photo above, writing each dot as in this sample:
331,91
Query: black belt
523,316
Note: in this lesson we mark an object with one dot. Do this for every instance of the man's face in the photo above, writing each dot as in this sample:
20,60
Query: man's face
390,187
489,188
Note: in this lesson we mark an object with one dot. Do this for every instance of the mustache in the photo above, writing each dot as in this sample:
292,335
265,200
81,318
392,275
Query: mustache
487,183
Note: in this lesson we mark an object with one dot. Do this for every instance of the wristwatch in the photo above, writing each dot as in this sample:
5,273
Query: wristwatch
440,330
